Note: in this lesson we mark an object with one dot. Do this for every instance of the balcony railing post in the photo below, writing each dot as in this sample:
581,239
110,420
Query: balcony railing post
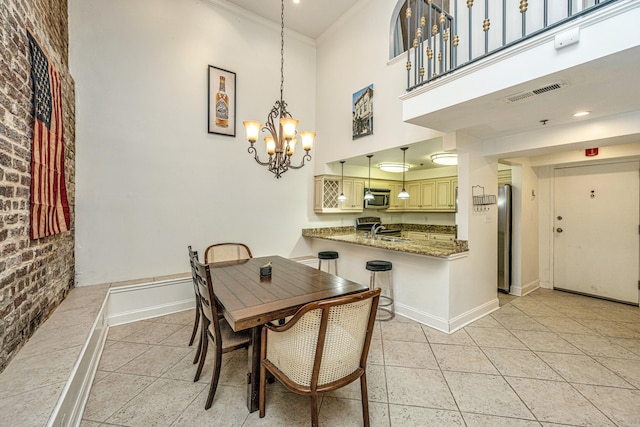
485,26
470,7
454,36
408,65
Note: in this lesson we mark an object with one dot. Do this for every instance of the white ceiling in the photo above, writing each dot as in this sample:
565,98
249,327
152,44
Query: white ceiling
309,17
606,87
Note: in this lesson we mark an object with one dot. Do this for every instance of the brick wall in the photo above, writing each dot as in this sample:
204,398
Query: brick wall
35,275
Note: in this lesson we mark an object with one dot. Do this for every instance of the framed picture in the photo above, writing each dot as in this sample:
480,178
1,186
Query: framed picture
362,112
222,101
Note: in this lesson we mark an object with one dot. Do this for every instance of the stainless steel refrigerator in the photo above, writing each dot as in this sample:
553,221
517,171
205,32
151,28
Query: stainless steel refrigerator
504,238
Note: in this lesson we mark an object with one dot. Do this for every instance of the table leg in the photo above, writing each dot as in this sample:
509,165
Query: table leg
253,383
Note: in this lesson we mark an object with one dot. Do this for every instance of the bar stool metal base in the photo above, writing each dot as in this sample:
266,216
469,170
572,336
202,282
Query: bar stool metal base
386,309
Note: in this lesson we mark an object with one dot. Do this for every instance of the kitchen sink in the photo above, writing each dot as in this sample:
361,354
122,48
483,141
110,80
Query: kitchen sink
392,239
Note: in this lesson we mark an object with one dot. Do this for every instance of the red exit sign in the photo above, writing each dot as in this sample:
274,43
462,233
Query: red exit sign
590,152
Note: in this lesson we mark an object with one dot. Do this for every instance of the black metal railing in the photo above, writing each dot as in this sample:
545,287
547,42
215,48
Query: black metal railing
444,35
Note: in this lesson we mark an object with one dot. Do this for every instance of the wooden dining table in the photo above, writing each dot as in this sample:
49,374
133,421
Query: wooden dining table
249,301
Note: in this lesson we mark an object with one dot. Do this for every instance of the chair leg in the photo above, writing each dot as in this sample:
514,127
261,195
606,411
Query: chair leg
215,377
314,410
263,390
203,356
202,337
195,327
365,399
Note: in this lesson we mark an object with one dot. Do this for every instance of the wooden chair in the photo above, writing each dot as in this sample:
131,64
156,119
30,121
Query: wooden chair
194,255
214,329
323,347
226,252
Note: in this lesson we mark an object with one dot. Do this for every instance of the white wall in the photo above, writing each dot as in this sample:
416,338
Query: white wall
351,55
150,179
474,279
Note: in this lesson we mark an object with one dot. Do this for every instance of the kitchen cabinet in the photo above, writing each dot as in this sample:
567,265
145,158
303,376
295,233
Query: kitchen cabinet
445,189
417,235
439,237
426,195
396,204
421,195
434,237
354,191
328,188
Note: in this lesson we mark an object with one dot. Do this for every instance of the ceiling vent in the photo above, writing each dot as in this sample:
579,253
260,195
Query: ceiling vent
539,91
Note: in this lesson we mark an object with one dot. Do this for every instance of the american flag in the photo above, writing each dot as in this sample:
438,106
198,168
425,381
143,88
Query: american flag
49,203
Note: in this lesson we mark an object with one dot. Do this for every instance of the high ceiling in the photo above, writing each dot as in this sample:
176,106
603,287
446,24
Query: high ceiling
308,17
607,87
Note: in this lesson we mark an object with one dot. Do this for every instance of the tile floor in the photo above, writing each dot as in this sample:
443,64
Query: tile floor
546,359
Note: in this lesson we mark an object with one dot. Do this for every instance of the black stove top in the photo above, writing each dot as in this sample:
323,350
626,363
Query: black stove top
366,222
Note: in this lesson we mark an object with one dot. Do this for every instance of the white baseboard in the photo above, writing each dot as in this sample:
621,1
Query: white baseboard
144,301
122,304
524,289
427,319
472,315
70,406
444,325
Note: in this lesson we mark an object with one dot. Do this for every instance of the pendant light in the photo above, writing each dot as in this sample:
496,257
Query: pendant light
368,195
403,195
342,197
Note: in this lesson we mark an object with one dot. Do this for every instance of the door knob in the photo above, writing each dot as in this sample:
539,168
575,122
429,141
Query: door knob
559,230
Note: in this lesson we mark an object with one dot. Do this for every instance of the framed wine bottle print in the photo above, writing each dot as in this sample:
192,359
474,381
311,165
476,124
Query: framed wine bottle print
222,101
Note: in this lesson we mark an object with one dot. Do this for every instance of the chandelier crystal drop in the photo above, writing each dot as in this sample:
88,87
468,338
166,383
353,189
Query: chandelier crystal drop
280,127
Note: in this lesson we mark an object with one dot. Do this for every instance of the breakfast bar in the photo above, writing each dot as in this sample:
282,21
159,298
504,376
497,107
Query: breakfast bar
428,274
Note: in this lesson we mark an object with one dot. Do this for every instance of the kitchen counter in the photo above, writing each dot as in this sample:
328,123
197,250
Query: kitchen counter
437,249
430,277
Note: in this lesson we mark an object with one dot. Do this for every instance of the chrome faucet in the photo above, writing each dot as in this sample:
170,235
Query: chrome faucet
375,228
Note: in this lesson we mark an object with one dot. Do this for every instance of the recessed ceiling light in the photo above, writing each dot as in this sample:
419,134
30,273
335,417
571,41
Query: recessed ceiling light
581,113
296,1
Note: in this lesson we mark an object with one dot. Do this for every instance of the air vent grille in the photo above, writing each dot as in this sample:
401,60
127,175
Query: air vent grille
545,89
539,91
519,97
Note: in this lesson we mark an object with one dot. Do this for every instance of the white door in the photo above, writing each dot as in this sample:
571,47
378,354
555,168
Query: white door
596,230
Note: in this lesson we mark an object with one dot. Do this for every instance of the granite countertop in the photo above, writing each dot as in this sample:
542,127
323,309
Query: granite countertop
438,249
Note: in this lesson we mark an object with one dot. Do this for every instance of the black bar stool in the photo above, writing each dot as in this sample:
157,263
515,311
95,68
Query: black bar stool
385,306
331,257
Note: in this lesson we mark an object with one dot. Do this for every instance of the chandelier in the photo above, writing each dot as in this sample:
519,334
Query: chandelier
281,140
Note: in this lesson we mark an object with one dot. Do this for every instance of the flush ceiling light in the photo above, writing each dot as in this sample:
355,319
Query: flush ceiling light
581,113
447,159
393,167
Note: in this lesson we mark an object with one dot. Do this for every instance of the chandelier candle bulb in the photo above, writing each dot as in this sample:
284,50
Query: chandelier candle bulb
307,140
253,130
291,146
288,127
271,145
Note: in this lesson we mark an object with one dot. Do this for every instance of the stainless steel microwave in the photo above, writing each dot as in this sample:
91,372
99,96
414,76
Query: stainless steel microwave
380,198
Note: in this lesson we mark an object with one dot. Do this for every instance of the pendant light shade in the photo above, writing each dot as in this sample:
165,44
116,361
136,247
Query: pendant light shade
368,195
403,195
342,197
